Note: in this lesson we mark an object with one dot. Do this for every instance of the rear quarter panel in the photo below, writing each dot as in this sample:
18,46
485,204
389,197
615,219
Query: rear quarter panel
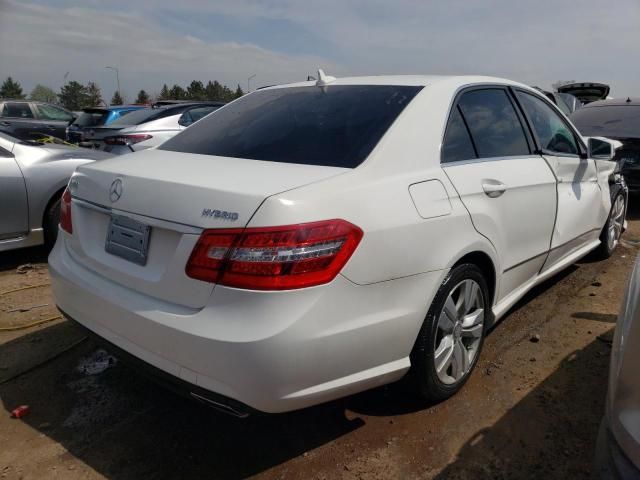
375,196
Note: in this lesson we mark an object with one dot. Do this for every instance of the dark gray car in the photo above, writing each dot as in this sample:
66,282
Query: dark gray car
24,119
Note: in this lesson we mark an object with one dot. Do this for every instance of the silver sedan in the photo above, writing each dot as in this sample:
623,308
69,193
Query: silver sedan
618,451
33,175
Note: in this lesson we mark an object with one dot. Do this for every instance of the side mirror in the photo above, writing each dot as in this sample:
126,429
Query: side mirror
601,148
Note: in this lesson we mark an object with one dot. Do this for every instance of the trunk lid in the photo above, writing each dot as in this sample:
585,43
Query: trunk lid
176,195
586,92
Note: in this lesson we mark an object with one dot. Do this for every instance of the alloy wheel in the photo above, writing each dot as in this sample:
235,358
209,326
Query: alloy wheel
616,222
459,332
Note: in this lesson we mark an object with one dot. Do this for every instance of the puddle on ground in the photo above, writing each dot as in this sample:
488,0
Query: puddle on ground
96,363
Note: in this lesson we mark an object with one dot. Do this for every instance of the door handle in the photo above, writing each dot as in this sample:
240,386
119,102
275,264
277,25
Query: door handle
493,188
5,124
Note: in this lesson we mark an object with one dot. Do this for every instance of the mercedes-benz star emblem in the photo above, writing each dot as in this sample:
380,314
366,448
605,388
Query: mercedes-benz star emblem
115,191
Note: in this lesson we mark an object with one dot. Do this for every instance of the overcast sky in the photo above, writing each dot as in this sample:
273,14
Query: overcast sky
175,41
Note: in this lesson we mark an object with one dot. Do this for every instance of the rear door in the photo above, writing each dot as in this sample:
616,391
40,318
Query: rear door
54,120
509,191
19,119
580,208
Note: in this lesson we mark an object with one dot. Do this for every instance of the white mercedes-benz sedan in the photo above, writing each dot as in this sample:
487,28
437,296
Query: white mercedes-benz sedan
313,240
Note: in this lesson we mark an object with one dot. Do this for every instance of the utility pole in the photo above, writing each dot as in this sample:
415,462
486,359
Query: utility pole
249,82
117,78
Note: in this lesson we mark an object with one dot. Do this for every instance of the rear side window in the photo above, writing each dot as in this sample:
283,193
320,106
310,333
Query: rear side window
457,143
92,119
49,112
334,126
136,117
17,110
195,114
553,133
493,123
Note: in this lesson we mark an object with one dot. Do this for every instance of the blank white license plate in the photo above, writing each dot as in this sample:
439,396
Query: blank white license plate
128,238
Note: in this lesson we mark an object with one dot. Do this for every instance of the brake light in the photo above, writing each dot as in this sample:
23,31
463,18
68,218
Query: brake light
274,258
65,212
127,139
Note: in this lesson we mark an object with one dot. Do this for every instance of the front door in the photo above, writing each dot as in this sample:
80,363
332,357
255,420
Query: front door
14,216
509,191
578,220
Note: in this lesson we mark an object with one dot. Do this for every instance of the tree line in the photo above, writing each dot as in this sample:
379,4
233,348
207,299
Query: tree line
76,96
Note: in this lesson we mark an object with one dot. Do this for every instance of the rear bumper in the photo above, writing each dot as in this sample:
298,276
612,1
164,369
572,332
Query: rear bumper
271,351
181,387
611,463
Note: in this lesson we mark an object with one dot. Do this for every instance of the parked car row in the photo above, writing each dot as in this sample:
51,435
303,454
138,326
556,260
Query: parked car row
143,128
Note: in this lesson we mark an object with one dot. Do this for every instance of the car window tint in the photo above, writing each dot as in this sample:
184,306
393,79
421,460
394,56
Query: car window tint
92,119
493,123
49,112
553,133
336,125
136,117
561,104
617,121
17,110
195,114
457,143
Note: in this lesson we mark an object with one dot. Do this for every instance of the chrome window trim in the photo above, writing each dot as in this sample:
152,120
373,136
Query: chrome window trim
489,159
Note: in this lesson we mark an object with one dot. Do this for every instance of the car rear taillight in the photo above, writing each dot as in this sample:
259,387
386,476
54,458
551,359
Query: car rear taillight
65,212
274,258
126,139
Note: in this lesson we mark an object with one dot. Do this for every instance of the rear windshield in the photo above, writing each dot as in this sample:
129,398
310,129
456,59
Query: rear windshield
335,126
92,119
617,121
135,117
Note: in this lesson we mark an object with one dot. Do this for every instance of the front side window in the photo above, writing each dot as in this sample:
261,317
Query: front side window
17,110
553,133
494,124
336,126
457,143
49,112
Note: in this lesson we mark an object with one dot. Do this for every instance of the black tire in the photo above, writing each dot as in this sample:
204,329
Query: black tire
50,224
606,248
428,384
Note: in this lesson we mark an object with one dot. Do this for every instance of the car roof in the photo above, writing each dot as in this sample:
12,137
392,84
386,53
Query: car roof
113,108
615,102
410,80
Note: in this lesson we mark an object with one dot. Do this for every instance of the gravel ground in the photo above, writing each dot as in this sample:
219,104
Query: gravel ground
530,410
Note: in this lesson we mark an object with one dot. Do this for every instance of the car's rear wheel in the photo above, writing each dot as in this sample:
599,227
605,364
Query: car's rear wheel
610,236
451,337
51,221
